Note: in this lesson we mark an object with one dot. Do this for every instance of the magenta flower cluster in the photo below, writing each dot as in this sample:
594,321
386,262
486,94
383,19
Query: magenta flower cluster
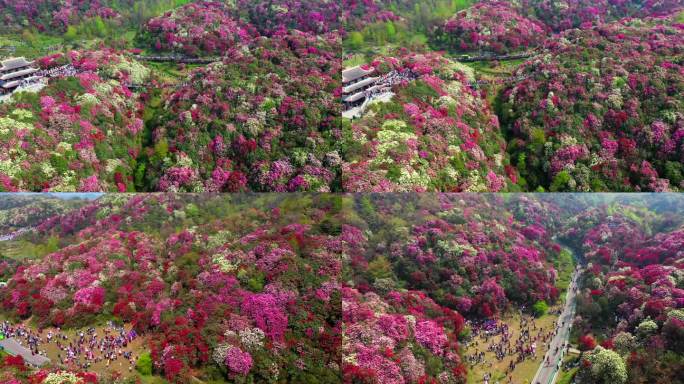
238,361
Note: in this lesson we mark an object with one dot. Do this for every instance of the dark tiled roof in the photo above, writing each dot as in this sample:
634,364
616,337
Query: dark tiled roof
360,84
354,97
354,73
14,63
21,72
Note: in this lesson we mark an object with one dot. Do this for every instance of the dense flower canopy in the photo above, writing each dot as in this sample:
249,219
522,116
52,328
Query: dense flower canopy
262,117
595,107
355,14
54,13
270,17
467,233
202,28
17,211
384,335
261,120
245,288
368,288
81,132
562,15
491,26
245,95
437,133
632,294
601,110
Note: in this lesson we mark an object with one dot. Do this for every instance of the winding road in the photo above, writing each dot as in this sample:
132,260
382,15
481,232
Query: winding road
548,369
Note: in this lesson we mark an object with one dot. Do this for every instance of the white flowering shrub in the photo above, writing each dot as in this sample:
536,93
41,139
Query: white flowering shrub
606,366
252,337
61,377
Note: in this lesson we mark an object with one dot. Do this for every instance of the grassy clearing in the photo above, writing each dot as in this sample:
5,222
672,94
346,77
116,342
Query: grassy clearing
357,59
101,368
170,72
152,380
367,54
25,250
30,44
565,265
566,376
33,44
503,69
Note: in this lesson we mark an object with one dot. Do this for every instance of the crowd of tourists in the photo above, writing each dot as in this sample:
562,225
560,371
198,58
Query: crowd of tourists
80,350
61,71
496,337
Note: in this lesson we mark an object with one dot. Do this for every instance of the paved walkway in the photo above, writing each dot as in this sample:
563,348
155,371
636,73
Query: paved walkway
546,374
13,347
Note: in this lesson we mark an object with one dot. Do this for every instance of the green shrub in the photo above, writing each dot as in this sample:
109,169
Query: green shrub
539,308
355,40
144,364
560,181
